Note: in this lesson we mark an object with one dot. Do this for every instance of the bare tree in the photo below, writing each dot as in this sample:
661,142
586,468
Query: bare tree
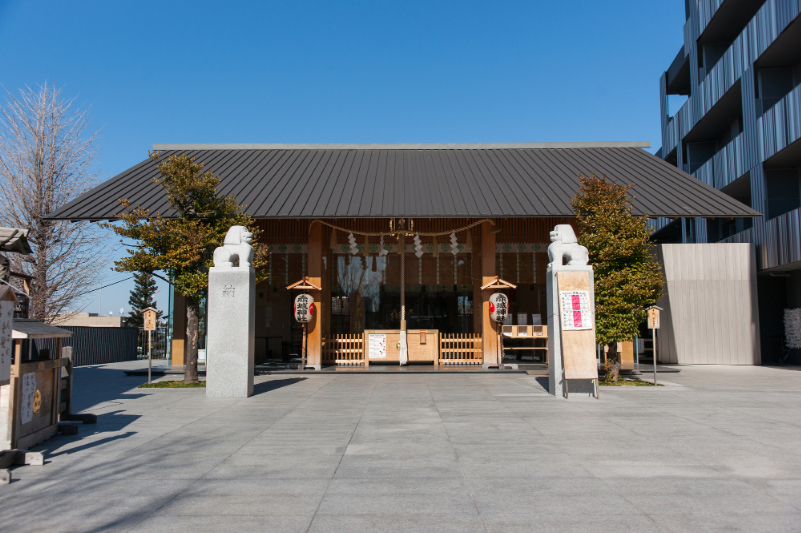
46,160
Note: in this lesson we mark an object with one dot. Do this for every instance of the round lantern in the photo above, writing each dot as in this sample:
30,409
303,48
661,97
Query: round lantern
498,307
304,308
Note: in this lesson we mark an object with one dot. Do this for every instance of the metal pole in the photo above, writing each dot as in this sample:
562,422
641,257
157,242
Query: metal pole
149,353
654,332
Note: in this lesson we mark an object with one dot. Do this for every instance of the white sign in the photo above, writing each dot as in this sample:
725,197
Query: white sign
6,341
377,344
576,311
28,393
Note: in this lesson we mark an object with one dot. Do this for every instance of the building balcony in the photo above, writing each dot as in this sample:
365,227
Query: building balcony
759,34
677,128
777,241
725,166
780,126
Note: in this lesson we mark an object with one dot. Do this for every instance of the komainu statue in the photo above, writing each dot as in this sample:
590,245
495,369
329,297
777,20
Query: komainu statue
564,248
235,246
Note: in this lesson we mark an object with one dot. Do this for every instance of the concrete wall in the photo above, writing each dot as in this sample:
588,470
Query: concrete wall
710,307
87,320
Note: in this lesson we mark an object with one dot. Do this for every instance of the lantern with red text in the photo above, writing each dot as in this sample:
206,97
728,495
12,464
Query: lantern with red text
304,308
498,307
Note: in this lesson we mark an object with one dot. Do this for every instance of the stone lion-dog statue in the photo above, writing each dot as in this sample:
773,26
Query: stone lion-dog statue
235,246
565,249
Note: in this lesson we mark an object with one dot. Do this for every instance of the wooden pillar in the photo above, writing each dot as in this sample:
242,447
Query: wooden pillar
477,315
178,329
314,339
489,334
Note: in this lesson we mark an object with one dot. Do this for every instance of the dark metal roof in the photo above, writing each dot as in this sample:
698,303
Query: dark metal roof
15,240
426,181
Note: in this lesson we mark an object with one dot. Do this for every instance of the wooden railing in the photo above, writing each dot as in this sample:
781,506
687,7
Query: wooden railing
460,349
344,349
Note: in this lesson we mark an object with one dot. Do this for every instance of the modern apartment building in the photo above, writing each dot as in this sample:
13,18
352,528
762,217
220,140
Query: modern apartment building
739,130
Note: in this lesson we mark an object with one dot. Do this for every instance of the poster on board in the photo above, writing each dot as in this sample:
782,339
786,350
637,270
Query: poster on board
377,345
575,310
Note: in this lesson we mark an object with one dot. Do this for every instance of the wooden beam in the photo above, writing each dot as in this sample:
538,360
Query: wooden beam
314,346
489,335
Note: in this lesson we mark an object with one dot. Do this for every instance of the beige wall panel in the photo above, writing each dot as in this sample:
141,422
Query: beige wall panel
710,304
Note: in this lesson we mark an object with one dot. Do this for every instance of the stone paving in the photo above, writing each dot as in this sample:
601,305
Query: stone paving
717,449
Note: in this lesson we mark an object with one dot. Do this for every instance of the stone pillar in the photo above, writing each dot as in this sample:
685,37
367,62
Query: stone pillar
231,332
556,370
489,333
314,329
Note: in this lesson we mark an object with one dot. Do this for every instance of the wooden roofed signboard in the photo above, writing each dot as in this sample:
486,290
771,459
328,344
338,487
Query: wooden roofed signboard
578,328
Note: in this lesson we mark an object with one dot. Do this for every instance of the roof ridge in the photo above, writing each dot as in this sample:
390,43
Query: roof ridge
401,146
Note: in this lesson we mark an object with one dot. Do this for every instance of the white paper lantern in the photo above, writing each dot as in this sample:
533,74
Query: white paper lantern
498,307
304,308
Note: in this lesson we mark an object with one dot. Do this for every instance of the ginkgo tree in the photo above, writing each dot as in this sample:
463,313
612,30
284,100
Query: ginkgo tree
182,244
628,279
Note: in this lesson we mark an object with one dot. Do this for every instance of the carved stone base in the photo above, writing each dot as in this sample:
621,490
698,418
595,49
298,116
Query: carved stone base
231,332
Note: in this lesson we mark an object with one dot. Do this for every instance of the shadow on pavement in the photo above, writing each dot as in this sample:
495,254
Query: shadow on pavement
268,386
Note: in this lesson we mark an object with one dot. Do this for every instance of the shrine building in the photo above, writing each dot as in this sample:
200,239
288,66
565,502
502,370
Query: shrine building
427,225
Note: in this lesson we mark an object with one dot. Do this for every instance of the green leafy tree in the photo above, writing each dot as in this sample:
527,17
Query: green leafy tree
627,277
141,298
182,245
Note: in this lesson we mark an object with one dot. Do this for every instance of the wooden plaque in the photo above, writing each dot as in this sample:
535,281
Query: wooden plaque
150,319
578,346
653,318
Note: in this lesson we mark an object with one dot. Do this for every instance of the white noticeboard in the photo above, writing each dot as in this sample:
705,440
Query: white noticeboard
6,341
377,345
575,308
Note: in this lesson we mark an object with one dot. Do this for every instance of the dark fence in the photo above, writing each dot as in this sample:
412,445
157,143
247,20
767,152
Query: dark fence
94,346
160,344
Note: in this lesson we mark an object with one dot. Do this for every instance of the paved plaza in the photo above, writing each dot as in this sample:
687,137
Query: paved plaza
716,449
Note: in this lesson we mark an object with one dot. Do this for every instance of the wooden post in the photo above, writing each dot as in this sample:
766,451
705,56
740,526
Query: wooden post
178,329
488,337
303,349
477,317
314,346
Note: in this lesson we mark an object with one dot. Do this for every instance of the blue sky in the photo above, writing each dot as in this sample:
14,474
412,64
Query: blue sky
356,71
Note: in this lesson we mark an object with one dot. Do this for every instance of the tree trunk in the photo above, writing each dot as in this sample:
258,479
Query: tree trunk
192,334
614,358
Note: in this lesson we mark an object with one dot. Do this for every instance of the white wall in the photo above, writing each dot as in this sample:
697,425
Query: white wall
710,312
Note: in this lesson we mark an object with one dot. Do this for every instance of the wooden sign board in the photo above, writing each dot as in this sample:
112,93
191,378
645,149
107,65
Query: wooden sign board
653,318
149,315
578,336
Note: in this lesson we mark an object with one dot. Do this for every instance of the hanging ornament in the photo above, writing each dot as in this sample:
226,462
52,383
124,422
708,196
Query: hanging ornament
354,248
436,247
366,246
374,264
454,244
418,246
468,245
334,244
381,251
